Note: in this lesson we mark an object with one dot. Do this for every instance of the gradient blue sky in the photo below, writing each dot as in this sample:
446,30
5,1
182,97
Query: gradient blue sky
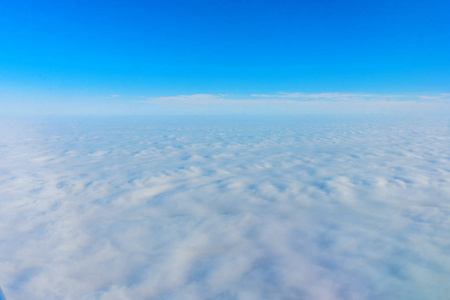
79,52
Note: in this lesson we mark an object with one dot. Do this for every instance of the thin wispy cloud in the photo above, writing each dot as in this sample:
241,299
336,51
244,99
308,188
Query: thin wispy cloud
299,96
112,96
335,96
442,96
194,97
298,102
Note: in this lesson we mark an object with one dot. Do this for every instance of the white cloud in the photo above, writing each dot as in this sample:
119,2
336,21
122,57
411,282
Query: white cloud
294,103
282,96
204,208
194,97
336,96
442,96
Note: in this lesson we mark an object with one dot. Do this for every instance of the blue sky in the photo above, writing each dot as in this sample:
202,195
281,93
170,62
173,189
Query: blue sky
54,53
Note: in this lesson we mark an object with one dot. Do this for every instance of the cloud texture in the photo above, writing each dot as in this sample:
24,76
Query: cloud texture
225,208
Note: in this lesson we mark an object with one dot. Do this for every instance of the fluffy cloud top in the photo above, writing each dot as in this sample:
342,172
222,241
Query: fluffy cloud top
225,208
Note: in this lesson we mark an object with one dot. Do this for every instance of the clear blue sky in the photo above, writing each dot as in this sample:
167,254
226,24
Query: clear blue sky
166,47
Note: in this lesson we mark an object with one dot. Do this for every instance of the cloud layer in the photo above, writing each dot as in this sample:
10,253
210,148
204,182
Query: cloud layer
300,103
225,208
